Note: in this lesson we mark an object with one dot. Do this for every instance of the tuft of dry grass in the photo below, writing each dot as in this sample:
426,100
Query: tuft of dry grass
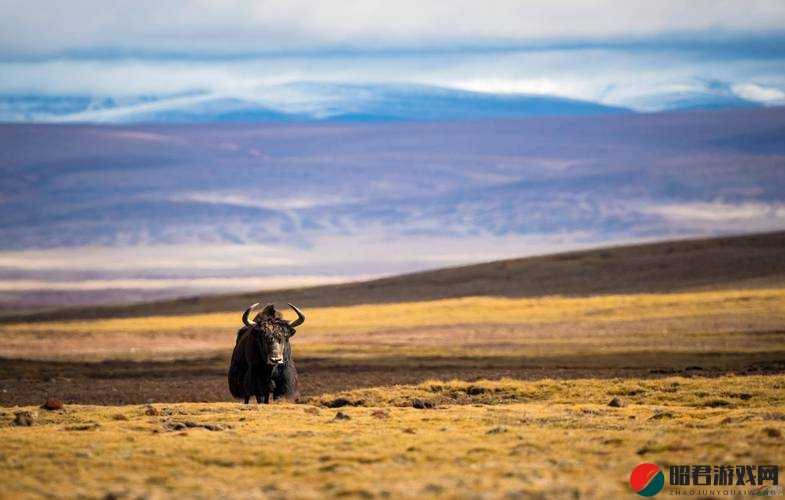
726,392
495,439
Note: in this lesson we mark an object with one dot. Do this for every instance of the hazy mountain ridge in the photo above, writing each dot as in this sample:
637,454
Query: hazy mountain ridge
295,102
339,102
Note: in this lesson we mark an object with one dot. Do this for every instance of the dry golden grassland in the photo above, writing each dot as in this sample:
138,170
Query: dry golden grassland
456,439
551,439
717,321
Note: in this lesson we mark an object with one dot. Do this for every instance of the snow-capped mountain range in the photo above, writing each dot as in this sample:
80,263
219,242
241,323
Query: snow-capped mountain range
333,102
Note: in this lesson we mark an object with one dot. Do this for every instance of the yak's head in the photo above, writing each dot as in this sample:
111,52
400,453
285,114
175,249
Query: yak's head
273,331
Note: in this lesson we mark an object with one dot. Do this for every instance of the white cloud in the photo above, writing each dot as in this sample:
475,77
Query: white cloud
718,212
241,200
719,216
610,76
186,46
45,26
759,93
536,86
224,284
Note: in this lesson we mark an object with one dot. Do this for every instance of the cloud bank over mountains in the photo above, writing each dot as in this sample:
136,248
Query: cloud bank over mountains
41,27
487,85
307,61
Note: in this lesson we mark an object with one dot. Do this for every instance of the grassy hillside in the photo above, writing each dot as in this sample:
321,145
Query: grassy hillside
754,261
184,357
430,327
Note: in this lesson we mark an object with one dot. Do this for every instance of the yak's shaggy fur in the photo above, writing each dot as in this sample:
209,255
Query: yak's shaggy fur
250,371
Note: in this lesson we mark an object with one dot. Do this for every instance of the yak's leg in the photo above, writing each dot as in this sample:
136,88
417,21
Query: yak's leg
270,387
249,384
266,387
258,390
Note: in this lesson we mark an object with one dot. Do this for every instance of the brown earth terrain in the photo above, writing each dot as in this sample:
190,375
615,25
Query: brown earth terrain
204,380
711,327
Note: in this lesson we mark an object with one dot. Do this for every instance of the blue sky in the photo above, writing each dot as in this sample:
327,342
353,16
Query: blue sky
637,54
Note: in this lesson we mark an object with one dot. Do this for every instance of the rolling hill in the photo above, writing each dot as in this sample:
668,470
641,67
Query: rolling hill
752,261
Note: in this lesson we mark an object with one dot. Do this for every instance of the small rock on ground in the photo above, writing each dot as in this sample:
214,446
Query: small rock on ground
87,426
52,404
179,426
23,419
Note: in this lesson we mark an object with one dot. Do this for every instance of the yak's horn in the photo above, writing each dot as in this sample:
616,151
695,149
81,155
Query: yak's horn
247,312
300,317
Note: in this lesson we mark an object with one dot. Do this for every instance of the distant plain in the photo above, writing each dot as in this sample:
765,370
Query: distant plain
139,212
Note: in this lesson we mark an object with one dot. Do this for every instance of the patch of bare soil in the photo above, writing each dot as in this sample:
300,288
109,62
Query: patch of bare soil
25,382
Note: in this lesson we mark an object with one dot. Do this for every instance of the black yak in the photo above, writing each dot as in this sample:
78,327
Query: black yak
262,359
